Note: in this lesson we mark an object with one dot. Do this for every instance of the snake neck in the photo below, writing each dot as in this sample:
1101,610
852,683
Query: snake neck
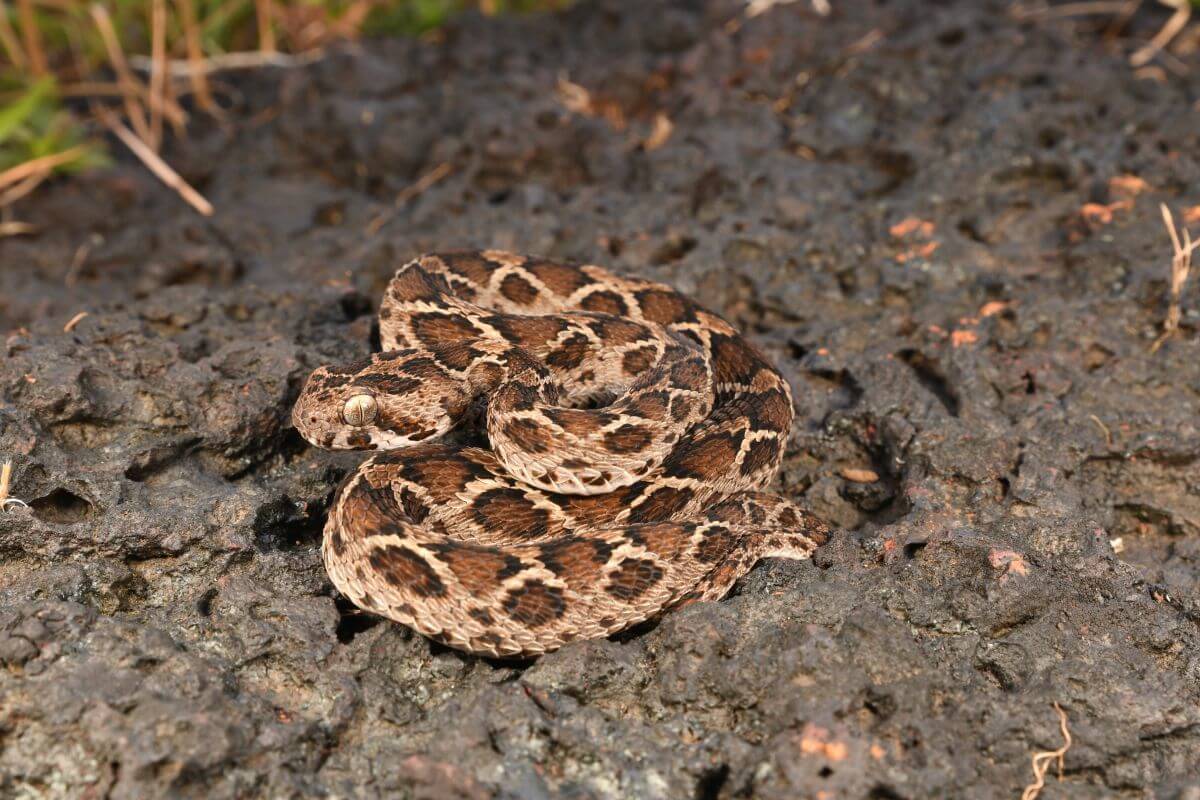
508,378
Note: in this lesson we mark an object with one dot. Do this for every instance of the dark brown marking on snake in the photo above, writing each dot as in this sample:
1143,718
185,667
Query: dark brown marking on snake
471,266
577,421
627,439
635,362
707,458
605,302
535,604
443,472
570,353
414,285
511,511
478,569
632,578
434,328
403,567
665,307
518,290
771,410
663,504
562,279
481,615
387,383
360,440
762,454
717,544
531,332
651,405
457,356
528,434
690,375
578,558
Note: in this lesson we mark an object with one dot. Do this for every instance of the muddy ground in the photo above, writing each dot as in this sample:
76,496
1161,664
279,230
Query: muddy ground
893,201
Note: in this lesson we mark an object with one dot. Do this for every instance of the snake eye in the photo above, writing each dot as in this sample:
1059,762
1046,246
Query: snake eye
360,410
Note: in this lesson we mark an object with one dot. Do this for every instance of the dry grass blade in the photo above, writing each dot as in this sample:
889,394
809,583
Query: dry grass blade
33,38
158,77
5,479
16,228
418,187
1177,22
15,193
266,32
125,77
1043,760
8,39
161,169
195,57
228,62
1181,267
75,320
21,172
1096,7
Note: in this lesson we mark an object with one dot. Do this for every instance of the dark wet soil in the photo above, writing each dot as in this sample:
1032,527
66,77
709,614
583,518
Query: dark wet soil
925,214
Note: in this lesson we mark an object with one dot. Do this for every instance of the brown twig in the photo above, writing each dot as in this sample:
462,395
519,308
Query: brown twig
1043,760
32,35
125,77
1177,22
161,169
1181,267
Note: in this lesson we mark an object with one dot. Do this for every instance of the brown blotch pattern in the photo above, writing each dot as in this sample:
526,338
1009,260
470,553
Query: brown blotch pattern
434,329
708,457
479,569
535,604
605,303
663,504
570,353
627,439
665,306
444,473
510,511
579,422
632,578
518,290
471,266
651,405
717,544
761,455
415,284
528,435
562,279
403,567
635,362
579,559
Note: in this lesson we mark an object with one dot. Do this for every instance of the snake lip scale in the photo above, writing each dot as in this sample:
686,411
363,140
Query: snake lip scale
631,434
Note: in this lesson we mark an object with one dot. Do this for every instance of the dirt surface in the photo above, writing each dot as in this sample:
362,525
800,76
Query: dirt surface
893,201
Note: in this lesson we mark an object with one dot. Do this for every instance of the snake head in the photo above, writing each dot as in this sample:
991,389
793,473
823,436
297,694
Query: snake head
388,400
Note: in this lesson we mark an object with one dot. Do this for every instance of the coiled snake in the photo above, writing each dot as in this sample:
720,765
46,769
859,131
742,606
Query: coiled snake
631,433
